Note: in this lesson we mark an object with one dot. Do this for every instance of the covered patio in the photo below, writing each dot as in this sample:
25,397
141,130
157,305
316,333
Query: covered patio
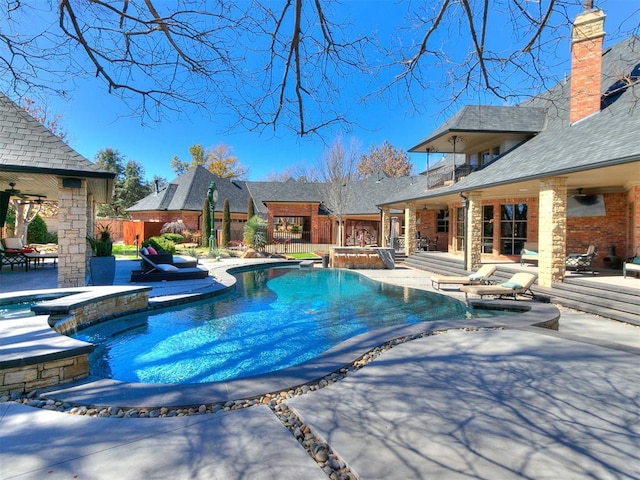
34,163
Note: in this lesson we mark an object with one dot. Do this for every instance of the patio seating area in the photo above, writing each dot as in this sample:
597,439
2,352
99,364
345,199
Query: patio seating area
13,253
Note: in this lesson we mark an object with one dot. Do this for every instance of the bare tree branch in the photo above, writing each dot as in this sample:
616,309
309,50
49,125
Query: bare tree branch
274,65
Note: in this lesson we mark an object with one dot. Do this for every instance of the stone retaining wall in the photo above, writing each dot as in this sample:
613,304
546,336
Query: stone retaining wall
45,374
101,309
362,258
47,359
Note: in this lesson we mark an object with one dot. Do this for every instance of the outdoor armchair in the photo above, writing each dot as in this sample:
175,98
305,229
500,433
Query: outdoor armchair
582,262
529,253
12,257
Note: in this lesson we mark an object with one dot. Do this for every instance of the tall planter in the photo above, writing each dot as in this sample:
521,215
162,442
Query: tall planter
103,270
102,265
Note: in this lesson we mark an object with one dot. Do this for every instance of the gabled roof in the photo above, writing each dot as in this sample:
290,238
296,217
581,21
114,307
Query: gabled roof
27,147
189,191
294,191
608,137
259,191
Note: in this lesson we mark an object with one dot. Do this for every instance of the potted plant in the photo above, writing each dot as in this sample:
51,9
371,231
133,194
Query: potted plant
102,264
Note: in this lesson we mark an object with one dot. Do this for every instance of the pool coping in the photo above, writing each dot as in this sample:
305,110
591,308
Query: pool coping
98,391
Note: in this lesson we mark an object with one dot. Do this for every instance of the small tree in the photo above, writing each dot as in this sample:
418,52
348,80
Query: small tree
226,224
250,208
337,171
255,233
37,231
206,225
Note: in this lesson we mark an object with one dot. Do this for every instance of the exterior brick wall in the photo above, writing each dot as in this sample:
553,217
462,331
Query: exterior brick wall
603,232
633,223
192,220
309,210
586,64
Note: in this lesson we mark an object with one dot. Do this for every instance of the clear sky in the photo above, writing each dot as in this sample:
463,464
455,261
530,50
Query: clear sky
95,120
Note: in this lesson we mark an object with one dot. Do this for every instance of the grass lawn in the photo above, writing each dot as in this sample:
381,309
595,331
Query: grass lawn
303,256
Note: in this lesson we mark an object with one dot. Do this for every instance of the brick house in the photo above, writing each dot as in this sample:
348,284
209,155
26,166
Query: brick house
282,204
561,169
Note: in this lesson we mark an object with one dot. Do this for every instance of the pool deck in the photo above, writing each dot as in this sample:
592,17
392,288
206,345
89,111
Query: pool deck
519,402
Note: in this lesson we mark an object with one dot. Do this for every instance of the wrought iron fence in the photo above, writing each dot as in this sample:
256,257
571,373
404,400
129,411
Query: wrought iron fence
284,242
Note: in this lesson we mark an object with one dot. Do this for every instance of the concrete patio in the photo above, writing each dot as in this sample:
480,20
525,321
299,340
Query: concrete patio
508,403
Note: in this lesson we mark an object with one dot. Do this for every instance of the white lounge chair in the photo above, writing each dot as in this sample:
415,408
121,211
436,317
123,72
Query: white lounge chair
479,277
518,284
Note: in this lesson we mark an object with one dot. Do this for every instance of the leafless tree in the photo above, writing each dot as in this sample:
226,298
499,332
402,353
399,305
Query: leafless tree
387,159
337,170
284,64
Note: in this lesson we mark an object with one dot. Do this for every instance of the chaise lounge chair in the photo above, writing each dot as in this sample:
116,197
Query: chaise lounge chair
159,272
529,253
518,284
632,265
479,277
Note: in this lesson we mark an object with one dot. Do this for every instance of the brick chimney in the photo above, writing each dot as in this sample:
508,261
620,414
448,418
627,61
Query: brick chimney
586,62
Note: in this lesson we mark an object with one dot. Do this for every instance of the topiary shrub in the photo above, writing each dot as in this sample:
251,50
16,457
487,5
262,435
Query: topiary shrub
174,237
162,244
37,231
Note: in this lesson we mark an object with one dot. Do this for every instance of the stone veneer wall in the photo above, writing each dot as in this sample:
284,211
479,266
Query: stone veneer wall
44,374
69,366
410,228
92,312
552,232
72,231
362,258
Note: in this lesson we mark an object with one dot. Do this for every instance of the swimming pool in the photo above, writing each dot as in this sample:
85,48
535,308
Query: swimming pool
21,307
275,318
16,310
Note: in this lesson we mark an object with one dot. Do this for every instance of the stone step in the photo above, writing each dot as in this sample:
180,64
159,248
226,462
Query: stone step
607,300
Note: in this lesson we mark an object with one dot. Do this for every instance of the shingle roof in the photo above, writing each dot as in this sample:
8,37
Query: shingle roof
605,138
489,119
188,192
28,147
25,143
294,191
608,137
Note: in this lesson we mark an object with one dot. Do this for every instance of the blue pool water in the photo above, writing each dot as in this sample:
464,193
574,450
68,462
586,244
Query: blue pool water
275,318
16,310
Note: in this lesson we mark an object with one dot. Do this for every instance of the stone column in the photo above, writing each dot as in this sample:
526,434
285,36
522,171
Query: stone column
474,230
552,231
72,234
385,227
410,228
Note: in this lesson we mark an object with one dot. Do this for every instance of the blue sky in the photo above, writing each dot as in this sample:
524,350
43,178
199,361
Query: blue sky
95,120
